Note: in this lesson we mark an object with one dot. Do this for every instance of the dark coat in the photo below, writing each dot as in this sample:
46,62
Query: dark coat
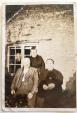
51,96
38,63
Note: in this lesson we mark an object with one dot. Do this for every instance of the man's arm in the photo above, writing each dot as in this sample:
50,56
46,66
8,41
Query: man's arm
57,80
42,63
14,80
35,86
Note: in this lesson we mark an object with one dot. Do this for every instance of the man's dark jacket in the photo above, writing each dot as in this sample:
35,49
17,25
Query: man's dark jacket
38,63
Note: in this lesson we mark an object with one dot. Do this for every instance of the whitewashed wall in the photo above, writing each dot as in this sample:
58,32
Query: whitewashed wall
42,24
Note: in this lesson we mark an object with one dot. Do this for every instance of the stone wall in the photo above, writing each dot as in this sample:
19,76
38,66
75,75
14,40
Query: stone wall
53,28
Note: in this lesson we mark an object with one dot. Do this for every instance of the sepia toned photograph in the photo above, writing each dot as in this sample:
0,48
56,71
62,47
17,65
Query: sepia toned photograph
39,51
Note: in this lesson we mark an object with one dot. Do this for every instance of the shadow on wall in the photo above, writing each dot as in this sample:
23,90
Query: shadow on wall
68,99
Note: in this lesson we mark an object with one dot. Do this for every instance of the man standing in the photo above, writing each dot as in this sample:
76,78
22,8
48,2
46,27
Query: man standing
51,88
37,62
25,82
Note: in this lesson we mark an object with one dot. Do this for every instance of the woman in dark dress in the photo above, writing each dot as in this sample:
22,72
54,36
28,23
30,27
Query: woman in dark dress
50,89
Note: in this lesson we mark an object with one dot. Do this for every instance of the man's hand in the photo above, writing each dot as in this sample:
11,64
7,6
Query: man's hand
45,87
13,92
51,86
30,95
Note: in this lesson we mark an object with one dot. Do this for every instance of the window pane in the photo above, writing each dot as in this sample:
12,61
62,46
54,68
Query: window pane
12,50
11,59
18,61
18,51
11,68
27,51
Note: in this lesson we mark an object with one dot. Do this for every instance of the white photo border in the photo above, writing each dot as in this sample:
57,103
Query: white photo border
3,57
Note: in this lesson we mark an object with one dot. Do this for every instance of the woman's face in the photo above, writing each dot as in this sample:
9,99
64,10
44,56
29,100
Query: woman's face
49,65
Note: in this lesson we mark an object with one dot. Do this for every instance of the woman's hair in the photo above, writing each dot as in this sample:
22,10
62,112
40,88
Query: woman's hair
50,59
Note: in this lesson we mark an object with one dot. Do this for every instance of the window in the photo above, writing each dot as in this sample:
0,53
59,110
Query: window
15,55
14,59
27,51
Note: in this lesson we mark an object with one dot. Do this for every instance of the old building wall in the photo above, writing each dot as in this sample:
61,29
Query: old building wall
53,29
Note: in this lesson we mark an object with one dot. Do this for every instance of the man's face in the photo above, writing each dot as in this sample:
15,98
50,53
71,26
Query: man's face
34,53
26,63
49,65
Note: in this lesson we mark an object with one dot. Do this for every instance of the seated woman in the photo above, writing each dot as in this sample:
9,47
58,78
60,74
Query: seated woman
26,82
50,89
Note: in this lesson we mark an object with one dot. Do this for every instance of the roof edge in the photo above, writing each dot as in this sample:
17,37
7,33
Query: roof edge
15,14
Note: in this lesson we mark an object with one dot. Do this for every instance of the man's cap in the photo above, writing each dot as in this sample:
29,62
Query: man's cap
33,47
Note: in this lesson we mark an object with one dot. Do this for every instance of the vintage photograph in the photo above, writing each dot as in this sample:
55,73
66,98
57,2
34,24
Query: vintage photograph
39,56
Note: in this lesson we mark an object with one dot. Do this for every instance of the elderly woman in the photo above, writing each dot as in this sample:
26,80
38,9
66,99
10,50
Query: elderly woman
26,82
50,89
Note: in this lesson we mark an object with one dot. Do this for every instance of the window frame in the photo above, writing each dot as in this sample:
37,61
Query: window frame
22,46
